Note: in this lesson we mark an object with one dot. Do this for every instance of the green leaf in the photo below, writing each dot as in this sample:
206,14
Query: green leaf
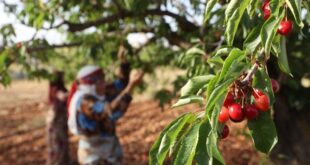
202,155
263,132
163,96
237,8
194,84
252,7
3,58
194,50
282,59
222,51
174,148
253,40
167,138
275,6
275,47
308,11
231,70
216,60
39,20
209,7
188,100
231,8
295,7
187,150
262,81
211,85
217,93
213,150
268,32
128,4
216,111
216,157
235,56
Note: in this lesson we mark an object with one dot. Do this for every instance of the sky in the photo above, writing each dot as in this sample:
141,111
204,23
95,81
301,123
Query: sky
24,33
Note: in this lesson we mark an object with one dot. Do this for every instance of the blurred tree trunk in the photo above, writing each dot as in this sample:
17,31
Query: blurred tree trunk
293,126
294,134
57,129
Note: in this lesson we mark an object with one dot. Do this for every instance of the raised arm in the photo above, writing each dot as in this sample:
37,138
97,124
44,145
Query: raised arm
125,96
116,87
96,109
124,70
119,104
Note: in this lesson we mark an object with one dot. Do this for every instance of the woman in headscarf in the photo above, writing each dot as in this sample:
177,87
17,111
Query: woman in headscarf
57,129
94,108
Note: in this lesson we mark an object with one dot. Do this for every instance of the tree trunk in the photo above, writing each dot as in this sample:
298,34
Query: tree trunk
57,129
57,134
293,129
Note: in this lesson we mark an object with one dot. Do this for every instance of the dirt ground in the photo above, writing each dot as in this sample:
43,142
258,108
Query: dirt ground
22,129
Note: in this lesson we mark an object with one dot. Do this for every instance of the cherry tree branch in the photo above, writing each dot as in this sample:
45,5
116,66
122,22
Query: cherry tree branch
53,27
254,68
117,5
250,74
44,47
182,21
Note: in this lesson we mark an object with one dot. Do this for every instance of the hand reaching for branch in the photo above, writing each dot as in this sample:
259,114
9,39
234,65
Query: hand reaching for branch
136,77
121,53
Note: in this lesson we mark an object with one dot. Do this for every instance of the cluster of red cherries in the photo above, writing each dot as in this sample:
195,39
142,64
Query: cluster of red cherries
236,112
286,25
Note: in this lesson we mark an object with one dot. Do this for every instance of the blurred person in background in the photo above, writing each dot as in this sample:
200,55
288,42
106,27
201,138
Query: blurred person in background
57,129
95,106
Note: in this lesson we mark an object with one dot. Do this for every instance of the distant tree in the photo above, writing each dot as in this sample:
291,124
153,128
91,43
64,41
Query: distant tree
232,38
57,129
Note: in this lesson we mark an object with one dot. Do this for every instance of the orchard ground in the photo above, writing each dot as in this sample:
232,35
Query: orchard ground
23,139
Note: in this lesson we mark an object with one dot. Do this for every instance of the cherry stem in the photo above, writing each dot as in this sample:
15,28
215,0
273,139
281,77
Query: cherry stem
285,12
256,93
250,74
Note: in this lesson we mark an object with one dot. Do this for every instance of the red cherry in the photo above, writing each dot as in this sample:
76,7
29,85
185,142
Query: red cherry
18,45
261,101
239,94
224,132
257,93
266,2
275,85
235,112
267,14
229,99
251,112
217,34
224,115
266,9
285,27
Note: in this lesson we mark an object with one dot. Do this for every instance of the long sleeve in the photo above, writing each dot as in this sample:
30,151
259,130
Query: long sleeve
116,87
95,116
124,73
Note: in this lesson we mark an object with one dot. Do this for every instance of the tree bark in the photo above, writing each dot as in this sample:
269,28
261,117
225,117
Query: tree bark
57,129
57,136
293,130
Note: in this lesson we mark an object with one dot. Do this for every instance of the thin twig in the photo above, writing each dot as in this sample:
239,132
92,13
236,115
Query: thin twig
252,71
219,43
250,74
